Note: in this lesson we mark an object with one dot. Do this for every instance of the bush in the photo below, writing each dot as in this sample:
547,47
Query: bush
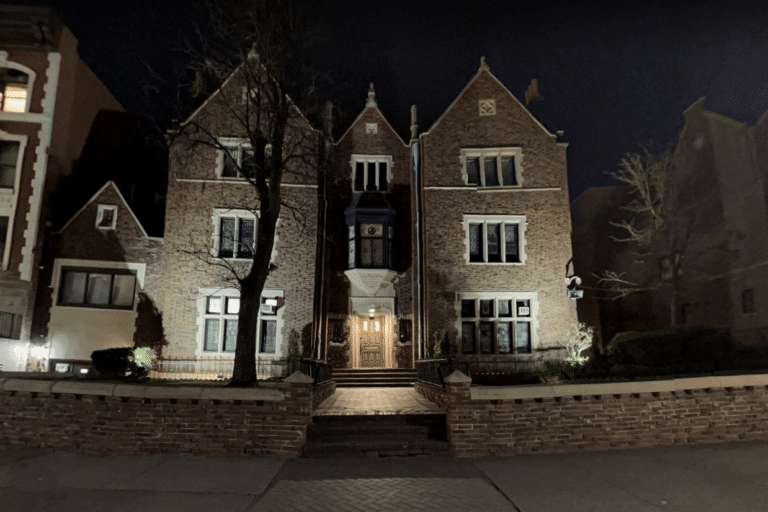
337,356
696,346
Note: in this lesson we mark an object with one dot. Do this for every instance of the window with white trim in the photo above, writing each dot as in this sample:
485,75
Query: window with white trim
496,326
219,323
237,159
234,234
106,217
14,90
495,239
371,173
492,167
97,288
9,161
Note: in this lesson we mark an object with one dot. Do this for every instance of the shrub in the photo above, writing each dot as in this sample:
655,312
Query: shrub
580,338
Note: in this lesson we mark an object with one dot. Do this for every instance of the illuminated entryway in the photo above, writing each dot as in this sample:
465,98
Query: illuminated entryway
371,341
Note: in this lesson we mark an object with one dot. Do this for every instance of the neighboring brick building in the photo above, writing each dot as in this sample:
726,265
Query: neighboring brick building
717,200
465,230
48,100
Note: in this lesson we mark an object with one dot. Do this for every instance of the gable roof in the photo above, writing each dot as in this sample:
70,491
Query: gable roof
485,69
370,104
94,197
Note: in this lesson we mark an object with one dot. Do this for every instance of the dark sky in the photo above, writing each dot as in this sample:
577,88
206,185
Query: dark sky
612,77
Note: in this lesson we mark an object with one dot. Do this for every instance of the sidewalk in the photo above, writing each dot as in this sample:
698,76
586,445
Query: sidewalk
704,478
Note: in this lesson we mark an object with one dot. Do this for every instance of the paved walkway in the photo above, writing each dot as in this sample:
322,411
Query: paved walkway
363,401
704,478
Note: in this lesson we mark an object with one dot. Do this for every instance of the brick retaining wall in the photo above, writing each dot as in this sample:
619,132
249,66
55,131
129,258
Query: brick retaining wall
120,419
523,419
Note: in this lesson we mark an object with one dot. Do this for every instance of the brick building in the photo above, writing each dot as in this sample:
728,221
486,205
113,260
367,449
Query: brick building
48,100
718,196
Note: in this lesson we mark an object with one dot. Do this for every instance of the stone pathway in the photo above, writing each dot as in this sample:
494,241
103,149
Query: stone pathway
369,401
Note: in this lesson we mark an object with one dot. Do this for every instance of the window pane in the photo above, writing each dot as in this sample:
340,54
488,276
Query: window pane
233,305
468,337
523,338
230,162
99,287
468,308
377,252
230,335
505,338
371,178
268,336
510,243
249,163
227,238
486,308
505,308
211,335
3,235
405,331
383,176
475,243
508,171
73,287
123,289
359,180
491,174
107,217
214,305
473,171
493,233
486,337
15,99
9,152
523,308
366,252
6,325
245,247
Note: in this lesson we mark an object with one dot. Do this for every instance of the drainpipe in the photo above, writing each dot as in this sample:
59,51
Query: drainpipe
419,324
320,323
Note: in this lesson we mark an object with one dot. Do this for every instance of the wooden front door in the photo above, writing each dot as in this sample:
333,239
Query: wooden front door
372,343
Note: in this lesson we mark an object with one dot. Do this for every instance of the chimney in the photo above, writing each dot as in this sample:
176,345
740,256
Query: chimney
532,93
414,126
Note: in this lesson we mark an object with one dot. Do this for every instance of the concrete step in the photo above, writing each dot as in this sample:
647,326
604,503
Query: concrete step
374,377
366,384
377,435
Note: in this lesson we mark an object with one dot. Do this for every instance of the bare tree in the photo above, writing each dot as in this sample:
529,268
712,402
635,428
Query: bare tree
248,68
654,228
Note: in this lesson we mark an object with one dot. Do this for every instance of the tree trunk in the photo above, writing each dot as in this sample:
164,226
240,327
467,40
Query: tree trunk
673,304
244,371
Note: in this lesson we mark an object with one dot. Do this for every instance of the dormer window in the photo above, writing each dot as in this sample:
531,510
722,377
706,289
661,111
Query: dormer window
492,167
106,217
371,173
14,89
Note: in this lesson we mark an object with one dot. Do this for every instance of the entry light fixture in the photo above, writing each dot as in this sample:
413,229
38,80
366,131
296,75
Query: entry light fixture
371,311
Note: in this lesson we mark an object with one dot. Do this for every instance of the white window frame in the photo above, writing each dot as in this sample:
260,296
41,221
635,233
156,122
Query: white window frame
515,152
31,75
236,147
221,213
522,227
9,197
100,216
532,297
202,314
366,159
140,269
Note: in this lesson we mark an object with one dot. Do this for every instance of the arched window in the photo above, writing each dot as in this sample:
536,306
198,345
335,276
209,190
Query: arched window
14,90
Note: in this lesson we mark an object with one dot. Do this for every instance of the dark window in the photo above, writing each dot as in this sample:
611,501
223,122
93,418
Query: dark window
494,242
249,163
491,173
511,249
486,337
336,330
406,331
371,178
227,238
468,308
236,237
468,337
3,236
229,169
476,243
486,308
97,288
473,171
268,336
382,176
359,176
492,327
505,308
9,153
10,326
748,301
508,171
504,337
245,245
372,246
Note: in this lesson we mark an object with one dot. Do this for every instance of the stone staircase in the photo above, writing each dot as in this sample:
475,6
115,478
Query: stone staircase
378,435
374,377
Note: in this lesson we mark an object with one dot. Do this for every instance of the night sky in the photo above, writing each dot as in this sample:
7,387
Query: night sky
612,77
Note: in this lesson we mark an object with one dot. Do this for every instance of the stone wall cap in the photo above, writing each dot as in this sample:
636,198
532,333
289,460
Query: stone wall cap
83,388
130,391
242,394
298,377
457,377
33,386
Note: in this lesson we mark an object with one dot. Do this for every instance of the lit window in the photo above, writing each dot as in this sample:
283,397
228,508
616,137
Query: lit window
492,167
219,324
495,325
97,288
495,239
13,90
371,173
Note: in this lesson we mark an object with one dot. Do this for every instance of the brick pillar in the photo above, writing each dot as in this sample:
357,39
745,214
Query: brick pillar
458,412
298,401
